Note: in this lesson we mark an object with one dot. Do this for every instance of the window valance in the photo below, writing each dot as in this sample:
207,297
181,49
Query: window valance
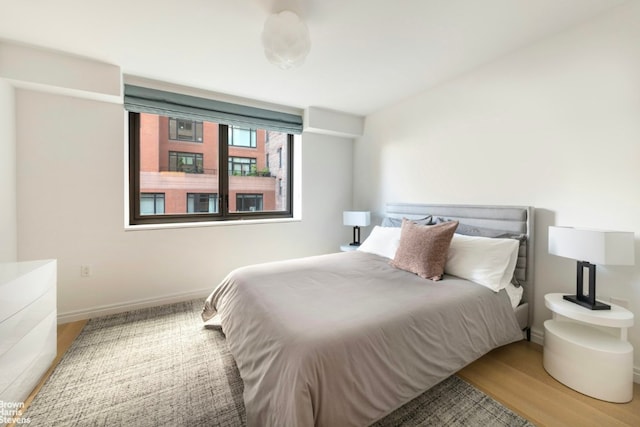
139,99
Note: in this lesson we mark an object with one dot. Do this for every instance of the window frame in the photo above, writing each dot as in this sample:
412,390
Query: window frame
223,214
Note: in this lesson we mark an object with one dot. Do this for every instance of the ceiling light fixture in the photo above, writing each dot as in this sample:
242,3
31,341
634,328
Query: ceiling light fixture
286,41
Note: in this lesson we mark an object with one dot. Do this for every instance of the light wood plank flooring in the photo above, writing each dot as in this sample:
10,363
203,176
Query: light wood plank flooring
513,375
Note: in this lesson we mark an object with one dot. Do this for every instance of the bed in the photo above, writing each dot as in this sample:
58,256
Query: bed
346,338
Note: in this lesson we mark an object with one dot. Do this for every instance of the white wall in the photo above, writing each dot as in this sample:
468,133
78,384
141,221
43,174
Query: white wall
71,206
62,190
8,218
555,126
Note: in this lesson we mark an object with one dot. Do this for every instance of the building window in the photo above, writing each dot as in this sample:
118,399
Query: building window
151,203
242,137
202,203
242,166
249,202
186,162
280,158
185,130
216,183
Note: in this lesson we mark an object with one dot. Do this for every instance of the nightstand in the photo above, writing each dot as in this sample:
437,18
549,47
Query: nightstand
588,350
348,248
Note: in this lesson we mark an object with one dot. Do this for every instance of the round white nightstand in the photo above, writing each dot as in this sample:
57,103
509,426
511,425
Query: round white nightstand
579,353
348,248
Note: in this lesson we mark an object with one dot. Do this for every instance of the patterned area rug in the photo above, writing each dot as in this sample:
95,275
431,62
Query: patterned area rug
160,367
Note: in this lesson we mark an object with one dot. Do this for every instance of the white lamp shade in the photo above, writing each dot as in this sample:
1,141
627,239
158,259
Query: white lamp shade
595,246
356,218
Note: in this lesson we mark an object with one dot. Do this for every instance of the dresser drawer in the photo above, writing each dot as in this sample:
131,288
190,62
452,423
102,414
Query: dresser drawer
28,323
22,283
22,367
21,323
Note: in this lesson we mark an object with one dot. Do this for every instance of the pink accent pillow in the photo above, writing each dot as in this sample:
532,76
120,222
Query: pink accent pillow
423,248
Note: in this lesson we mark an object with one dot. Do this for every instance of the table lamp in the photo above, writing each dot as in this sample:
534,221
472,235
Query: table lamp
357,219
590,247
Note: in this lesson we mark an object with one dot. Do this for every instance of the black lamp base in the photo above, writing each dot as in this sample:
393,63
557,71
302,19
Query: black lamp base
589,300
356,236
587,303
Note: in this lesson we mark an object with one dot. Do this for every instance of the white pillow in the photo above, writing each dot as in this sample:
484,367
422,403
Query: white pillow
487,261
382,241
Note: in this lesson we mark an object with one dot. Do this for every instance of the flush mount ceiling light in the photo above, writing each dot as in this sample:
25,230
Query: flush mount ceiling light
286,41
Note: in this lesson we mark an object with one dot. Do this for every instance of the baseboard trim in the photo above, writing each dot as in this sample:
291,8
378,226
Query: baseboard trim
105,310
537,336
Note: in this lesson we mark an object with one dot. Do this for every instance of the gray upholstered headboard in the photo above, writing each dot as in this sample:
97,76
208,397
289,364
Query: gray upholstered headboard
512,219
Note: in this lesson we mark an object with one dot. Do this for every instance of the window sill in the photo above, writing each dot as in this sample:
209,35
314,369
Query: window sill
129,227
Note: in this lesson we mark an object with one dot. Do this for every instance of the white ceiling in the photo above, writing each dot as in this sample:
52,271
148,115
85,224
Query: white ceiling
365,54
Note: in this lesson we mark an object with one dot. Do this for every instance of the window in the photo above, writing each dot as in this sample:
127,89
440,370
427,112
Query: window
186,162
214,184
185,130
202,203
242,137
215,179
242,166
249,202
151,203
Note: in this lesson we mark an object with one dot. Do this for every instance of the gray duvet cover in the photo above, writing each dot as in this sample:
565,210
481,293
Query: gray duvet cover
344,339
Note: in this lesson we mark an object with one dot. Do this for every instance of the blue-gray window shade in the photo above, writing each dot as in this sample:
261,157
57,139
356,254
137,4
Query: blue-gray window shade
145,100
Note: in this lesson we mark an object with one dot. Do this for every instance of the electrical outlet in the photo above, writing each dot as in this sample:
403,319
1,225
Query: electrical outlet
85,270
619,301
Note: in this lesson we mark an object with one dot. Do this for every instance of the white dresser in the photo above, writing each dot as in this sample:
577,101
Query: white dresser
27,326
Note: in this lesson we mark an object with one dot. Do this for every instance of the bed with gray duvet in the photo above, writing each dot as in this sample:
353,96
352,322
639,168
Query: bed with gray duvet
344,339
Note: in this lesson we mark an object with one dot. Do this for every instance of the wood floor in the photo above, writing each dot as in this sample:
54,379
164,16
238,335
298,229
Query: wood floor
513,375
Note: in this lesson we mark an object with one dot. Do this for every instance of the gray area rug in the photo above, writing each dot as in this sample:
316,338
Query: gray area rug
160,367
